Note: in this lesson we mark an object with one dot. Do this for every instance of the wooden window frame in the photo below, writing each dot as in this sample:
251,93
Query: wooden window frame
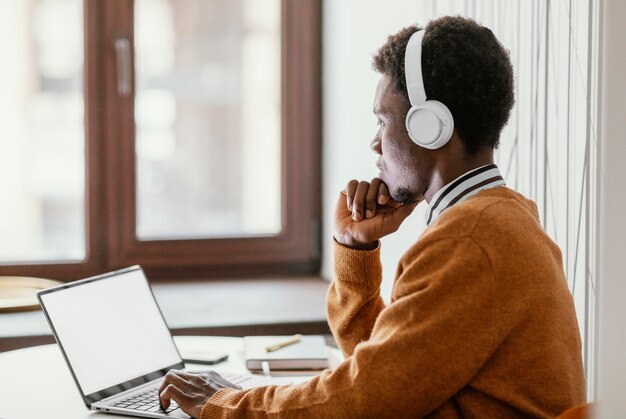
111,240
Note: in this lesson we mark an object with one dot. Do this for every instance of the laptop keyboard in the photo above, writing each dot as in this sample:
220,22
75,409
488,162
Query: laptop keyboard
148,401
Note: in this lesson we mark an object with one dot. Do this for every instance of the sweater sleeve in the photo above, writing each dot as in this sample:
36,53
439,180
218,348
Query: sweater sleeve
353,302
424,347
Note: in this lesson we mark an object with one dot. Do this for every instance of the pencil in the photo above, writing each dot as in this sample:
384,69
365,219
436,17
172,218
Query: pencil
290,341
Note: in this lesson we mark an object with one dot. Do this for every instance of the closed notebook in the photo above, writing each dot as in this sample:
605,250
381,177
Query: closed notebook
307,354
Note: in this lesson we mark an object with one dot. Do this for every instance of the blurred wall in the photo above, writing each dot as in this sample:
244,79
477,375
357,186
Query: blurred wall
353,31
612,251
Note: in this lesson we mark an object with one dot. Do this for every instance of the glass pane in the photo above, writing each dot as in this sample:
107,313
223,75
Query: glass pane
42,142
207,113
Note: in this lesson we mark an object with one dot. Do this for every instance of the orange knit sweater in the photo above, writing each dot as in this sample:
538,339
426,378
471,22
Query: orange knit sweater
481,325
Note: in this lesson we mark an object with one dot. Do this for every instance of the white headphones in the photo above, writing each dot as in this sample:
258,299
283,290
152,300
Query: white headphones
428,122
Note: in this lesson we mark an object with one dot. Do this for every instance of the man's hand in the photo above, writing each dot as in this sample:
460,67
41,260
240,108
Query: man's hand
191,390
366,212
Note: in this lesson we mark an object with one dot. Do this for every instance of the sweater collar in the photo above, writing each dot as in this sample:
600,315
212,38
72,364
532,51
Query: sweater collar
461,188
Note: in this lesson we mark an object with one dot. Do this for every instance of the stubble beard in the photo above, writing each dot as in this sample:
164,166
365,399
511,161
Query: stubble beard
404,196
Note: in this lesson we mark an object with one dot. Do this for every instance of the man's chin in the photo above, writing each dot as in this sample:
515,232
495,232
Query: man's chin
403,196
399,194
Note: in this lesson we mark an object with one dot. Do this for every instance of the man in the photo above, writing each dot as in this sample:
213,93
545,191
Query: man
481,322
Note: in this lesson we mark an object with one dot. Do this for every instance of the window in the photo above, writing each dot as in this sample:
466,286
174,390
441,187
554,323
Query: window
41,147
182,136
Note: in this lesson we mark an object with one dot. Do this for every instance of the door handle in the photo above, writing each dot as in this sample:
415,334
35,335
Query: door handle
124,67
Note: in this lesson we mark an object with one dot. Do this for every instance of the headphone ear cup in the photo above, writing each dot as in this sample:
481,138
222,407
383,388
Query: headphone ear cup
430,125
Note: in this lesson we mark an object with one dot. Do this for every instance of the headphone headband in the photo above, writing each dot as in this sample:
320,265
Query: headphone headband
413,69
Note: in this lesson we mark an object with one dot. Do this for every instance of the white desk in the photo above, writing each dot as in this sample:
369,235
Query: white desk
36,382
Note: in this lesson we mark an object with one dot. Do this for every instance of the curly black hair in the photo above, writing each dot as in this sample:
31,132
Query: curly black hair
465,67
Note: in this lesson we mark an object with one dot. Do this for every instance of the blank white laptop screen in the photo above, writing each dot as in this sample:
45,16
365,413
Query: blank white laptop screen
111,330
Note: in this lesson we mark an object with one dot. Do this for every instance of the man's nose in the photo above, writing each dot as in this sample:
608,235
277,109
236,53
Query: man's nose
375,145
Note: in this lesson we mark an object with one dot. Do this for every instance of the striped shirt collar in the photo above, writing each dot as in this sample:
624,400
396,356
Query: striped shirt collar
463,187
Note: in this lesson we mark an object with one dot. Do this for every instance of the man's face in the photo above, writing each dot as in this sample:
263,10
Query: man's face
405,167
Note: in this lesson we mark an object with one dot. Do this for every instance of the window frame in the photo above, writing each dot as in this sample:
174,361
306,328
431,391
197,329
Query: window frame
110,184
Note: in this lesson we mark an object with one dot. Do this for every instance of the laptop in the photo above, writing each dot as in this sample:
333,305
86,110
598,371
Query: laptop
116,343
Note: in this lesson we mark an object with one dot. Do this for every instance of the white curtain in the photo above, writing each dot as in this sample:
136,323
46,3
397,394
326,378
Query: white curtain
549,148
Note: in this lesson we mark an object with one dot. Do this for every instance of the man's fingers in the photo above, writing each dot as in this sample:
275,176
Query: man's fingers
178,379
350,191
358,204
187,375
402,212
172,392
371,198
173,377
383,194
211,378
222,382
363,197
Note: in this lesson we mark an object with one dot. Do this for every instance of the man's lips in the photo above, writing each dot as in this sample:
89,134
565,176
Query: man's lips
379,164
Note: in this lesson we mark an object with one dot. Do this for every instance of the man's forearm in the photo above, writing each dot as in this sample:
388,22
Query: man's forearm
353,301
